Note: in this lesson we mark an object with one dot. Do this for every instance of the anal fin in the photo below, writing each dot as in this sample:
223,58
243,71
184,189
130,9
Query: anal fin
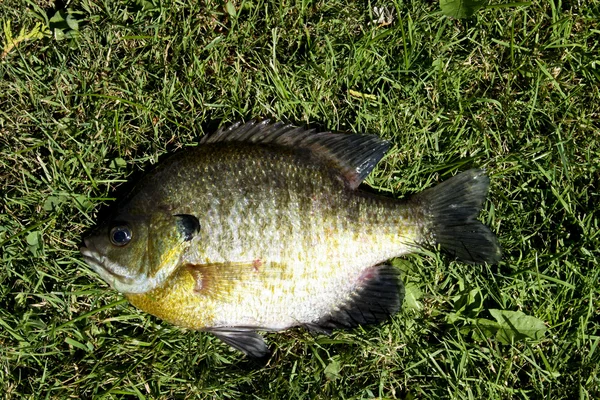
378,295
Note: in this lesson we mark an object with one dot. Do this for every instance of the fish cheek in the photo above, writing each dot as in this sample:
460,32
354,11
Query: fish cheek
165,245
133,256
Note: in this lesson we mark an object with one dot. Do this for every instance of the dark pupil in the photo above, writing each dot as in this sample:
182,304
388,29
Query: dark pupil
121,235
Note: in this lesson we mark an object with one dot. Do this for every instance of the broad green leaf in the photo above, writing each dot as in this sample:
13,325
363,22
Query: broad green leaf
52,202
82,201
453,317
117,163
72,22
412,294
515,325
64,24
469,302
486,329
58,20
147,5
230,9
332,371
77,344
34,242
461,8
59,35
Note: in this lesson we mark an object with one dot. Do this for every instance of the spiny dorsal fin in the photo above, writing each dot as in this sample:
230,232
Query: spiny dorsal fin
354,155
378,295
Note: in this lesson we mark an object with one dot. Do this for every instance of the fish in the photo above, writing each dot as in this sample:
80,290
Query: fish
263,227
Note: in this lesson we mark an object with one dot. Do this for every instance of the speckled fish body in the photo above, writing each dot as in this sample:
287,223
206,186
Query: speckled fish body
262,227
282,237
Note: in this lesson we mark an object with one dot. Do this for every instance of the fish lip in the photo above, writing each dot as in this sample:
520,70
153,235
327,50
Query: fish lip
86,242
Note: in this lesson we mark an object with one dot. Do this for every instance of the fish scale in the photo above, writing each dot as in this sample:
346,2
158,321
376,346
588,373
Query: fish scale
336,238
263,227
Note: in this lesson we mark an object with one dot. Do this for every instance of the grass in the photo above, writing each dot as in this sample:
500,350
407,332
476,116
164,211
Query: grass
97,98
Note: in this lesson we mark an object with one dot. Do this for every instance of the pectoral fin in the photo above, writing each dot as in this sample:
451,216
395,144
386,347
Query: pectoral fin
217,279
245,340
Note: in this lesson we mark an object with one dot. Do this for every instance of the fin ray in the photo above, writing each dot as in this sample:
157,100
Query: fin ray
353,155
452,207
247,341
375,299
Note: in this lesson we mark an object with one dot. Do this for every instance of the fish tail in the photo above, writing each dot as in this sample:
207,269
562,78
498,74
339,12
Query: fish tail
452,208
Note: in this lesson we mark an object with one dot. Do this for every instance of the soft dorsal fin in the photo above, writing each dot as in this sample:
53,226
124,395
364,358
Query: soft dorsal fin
354,155
378,295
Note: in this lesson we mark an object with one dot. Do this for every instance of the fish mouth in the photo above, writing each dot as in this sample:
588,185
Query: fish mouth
117,276
101,265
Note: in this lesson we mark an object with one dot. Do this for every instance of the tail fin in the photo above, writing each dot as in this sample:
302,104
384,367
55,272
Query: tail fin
452,207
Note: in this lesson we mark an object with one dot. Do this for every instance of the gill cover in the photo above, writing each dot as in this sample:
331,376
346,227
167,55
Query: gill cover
136,254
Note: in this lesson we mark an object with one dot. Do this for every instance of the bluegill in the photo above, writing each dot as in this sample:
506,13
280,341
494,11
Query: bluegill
262,227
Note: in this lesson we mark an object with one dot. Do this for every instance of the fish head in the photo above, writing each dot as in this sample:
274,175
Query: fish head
135,254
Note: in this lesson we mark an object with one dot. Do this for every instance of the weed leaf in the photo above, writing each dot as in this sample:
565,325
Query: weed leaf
412,295
515,325
332,370
461,8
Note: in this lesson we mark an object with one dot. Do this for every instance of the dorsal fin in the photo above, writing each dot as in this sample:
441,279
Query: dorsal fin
354,155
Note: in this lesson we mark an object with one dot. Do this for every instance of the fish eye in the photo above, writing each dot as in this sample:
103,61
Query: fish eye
120,235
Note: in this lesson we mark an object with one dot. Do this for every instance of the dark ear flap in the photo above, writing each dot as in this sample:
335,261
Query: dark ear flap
188,225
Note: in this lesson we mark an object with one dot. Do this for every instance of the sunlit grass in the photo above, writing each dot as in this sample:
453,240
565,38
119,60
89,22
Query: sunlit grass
514,91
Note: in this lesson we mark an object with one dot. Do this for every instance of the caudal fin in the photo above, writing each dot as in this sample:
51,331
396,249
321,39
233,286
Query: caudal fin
452,208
